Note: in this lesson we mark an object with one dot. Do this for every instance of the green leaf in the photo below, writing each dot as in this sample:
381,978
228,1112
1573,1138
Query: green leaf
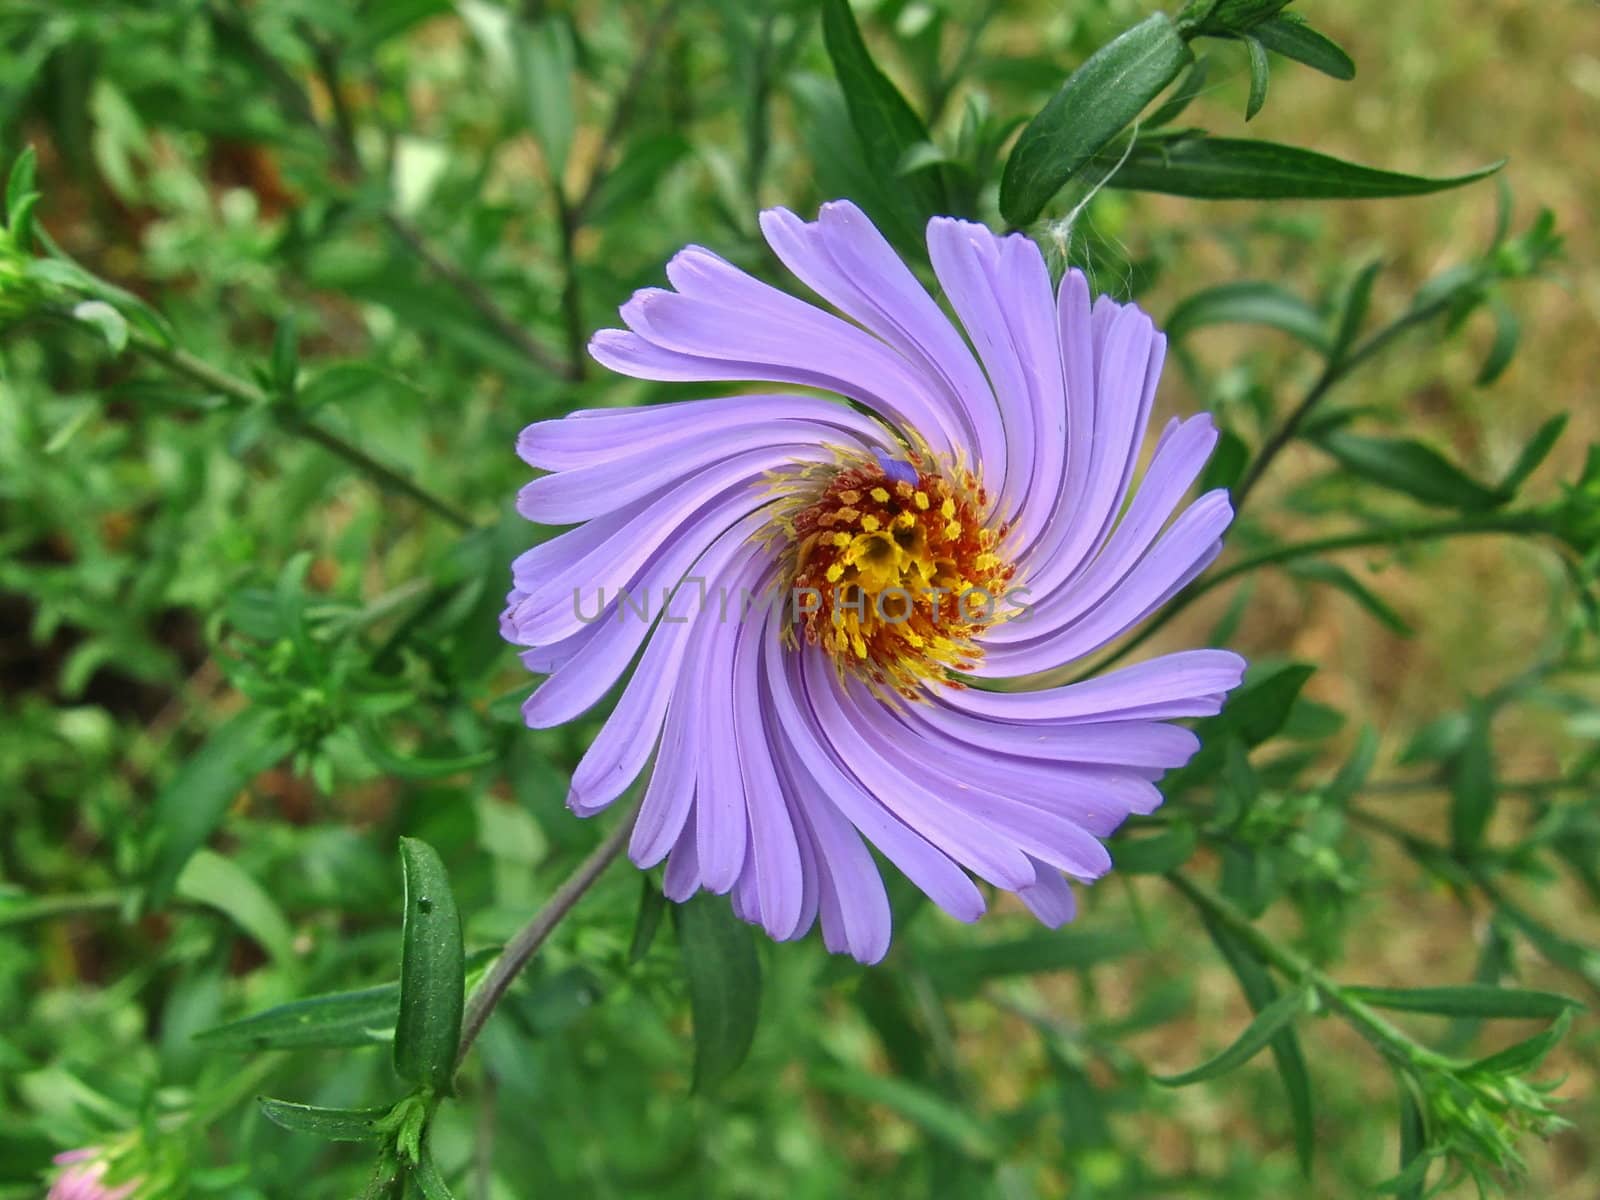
634,179
963,969
1290,36
652,905
330,1124
331,1022
1354,314
545,60
1249,302
1190,86
1344,786
1472,785
432,971
1259,990
285,358
1411,468
1468,1000
222,884
104,320
1275,1016
21,193
1414,1161
1239,15
1254,713
1260,72
1322,571
1507,333
1226,465
724,977
1157,854
1533,454
1526,1054
1095,104
193,802
1207,168
426,1174
950,1123
886,126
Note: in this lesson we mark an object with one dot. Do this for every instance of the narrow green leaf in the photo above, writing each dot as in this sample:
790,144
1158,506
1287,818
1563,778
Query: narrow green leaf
1189,87
545,60
192,804
885,124
962,970
1344,786
426,1174
1260,991
20,191
331,1022
652,905
724,977
1157,854
1249,302
1354,312
1254,713
950,1123
1290,36
330,1124
1411,468
1507,333
1240,15
1472,785
1410,1182
1275,1016
1095,104
1468,1000
432,971
104,320
222,884
1526,1054
1226,465
1322,571
1260,72
286,357
1533,454
1206,168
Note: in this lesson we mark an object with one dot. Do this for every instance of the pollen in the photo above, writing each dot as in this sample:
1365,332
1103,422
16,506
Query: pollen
890,559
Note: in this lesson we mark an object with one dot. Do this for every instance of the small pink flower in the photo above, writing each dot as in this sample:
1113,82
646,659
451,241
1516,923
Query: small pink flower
82,1178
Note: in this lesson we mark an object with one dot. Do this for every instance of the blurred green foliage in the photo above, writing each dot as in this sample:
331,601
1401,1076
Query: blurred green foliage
280,283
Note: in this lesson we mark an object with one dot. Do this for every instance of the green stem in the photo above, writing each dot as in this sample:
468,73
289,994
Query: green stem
1389,535
1334,372
1379,1033
181,362
504,970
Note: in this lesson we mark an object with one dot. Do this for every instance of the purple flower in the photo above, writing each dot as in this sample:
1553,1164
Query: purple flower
833,562
82,1177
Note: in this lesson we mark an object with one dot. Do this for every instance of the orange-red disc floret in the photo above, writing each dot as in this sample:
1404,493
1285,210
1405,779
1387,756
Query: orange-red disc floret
893,579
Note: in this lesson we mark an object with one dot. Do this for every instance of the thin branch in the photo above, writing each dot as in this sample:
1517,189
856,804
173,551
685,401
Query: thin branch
1332,374
622,113
531,936
181,362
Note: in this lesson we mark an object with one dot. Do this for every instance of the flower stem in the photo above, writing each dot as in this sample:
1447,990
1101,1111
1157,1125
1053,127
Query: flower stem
181,362
531,936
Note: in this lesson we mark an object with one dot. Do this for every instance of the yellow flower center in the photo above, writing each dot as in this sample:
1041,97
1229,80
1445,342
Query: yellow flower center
890,568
